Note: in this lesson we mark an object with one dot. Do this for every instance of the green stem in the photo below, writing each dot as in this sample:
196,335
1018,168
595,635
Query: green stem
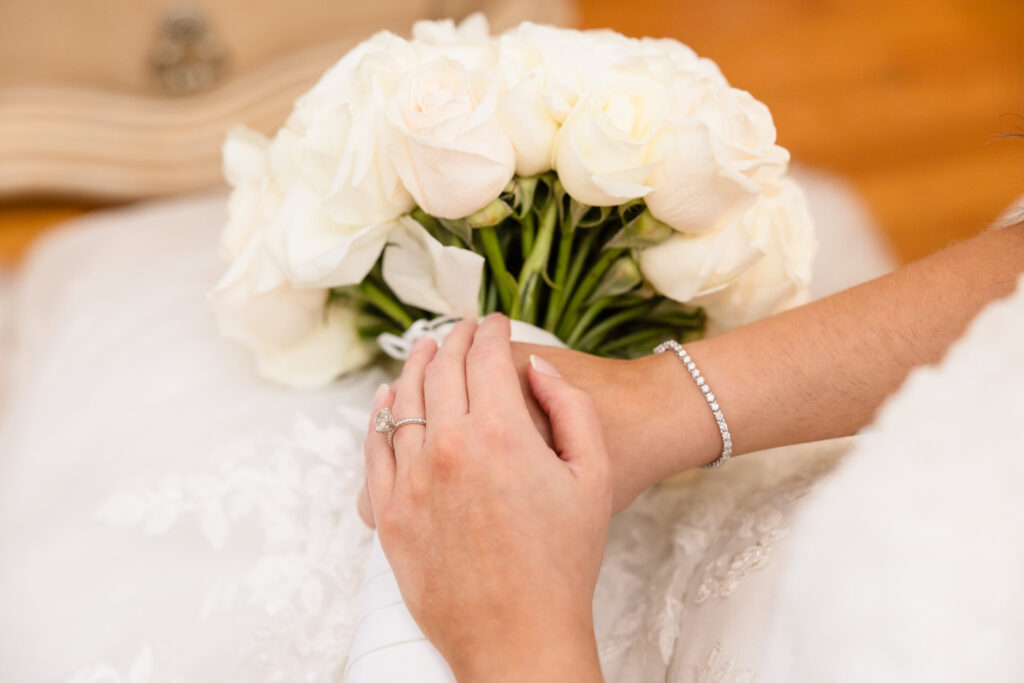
597,333
491,302
554,311
588,317
529,233
492,249
530,276
579,255
385,304
586,287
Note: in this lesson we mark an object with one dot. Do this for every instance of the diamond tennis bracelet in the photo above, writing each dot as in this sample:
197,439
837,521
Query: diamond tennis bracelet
723,428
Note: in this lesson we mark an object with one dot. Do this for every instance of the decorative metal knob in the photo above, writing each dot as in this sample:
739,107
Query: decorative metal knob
187,57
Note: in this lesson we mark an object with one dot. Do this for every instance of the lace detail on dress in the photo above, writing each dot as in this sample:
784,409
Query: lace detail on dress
718,669
300,488
763,523
723,576
690,540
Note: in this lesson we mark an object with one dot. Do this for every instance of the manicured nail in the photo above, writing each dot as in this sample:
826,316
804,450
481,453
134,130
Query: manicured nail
541,365
380,396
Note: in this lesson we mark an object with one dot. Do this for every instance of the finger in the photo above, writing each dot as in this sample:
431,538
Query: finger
575,425
409,399
364,507
491,378
380,460
444,386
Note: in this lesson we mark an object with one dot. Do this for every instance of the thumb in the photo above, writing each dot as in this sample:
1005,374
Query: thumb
575,426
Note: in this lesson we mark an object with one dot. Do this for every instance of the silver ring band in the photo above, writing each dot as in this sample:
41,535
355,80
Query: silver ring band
384,422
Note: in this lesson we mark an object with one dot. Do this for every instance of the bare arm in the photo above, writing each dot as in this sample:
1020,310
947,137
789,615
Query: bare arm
816,372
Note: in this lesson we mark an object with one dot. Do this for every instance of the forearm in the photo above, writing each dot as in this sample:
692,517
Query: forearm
821,370
818,371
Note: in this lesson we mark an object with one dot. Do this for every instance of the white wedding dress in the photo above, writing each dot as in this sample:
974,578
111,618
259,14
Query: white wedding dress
165,515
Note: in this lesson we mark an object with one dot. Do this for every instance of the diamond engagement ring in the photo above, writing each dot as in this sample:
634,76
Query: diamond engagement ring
385,423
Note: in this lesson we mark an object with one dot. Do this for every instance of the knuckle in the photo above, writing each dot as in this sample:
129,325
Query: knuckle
447,453
416,490
492,430
446,465
447,440
390,524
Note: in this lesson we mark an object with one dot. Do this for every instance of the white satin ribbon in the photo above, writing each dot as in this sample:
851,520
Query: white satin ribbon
398,347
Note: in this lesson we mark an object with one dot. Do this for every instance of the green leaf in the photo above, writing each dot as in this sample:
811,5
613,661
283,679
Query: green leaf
595,216
460,228
623,276
523,193
641,232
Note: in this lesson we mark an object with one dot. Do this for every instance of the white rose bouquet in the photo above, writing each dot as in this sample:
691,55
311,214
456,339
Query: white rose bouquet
613,192
604,192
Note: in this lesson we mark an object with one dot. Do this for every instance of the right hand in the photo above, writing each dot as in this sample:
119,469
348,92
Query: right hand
655,421
495,538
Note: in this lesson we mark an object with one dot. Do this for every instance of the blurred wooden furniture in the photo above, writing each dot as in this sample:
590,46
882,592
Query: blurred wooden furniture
906,98
115,100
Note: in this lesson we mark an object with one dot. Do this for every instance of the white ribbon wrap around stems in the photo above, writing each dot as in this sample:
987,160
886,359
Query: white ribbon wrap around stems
398,347
388,646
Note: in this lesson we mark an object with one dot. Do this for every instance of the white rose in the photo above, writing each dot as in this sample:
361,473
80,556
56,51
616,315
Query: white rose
340,187
330,350
345,147
603,150
286,327
684,266
325,92
317,251
424,273
666,57
566,62
525,113
784,232
256,305
254,196
449,148
469,42
718,150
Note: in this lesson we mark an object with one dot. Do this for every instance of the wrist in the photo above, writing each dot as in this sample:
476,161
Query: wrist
684,429
537,652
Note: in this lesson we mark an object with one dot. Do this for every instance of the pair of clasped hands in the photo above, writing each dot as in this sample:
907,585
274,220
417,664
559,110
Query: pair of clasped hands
494,536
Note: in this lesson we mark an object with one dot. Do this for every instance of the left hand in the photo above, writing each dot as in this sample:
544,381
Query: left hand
495,538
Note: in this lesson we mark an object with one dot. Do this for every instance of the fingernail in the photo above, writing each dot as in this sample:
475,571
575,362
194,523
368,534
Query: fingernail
380,396
542,366
421,341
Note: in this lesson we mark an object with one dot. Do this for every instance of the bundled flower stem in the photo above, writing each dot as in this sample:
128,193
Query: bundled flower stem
587,301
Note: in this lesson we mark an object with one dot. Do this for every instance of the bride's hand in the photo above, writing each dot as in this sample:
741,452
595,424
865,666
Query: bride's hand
655,421
495,538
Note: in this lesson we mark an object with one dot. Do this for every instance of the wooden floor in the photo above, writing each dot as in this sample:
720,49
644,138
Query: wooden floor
909,100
